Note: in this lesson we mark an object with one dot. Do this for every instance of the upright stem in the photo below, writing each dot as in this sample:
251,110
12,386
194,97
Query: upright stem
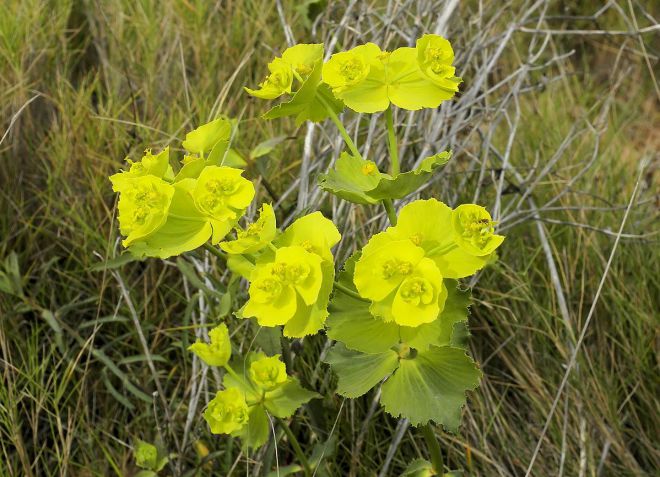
434,449
342,130
391,213
296,447
394,149
215,251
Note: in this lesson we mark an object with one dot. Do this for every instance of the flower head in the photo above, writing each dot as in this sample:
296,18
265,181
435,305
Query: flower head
268,372
216,353
348,69
474,230
255,236
222,193
435,56
303,57
227,412
144,202
277,83
314,233
281,287
202,139
403,285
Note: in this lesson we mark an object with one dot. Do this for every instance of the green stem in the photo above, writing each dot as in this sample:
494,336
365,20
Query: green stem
391,136
215,251
296,447
347,291
434,448
391,213
287,356
342,130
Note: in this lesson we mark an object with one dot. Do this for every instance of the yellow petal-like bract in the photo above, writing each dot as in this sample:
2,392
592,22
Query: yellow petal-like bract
292,288
255,236
218,351
268,372
277,83
202,139
368,79
474,231
227,412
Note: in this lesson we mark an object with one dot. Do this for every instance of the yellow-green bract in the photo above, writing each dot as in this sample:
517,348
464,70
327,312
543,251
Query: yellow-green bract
368,79
291,286
401,270
218,351
227,412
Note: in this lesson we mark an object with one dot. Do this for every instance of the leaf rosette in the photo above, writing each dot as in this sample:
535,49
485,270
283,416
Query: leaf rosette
359,180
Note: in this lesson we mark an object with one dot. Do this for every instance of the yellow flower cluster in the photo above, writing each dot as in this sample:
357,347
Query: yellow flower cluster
163,214
367,79
401,270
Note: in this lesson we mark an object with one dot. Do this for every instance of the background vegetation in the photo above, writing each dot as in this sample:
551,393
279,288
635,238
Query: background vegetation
556,130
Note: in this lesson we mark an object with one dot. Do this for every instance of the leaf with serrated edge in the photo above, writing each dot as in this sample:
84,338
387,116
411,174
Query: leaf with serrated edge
406,183
431,387
351,322
255,432
284,400
359,372
349,181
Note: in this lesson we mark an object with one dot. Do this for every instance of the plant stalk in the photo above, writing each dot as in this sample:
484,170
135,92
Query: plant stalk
434,449
393,147
342,130
215,251
296,447
391,213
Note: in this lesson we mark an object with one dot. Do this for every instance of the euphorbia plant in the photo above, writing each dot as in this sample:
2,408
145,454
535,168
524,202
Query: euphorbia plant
396,311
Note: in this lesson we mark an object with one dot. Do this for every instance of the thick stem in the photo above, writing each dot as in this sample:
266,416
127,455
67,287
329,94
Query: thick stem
391,213
434,448
296,447
393,147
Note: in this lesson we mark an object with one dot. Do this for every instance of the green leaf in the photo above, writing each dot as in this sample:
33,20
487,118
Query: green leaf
350,181
191,170
234,159
146,455
266,147
146,473
307,103
351,322
112,263
439,332
217,154
460,335
269,339
285,400
408,182
355,179
359,372
255,433
431,386
419,468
